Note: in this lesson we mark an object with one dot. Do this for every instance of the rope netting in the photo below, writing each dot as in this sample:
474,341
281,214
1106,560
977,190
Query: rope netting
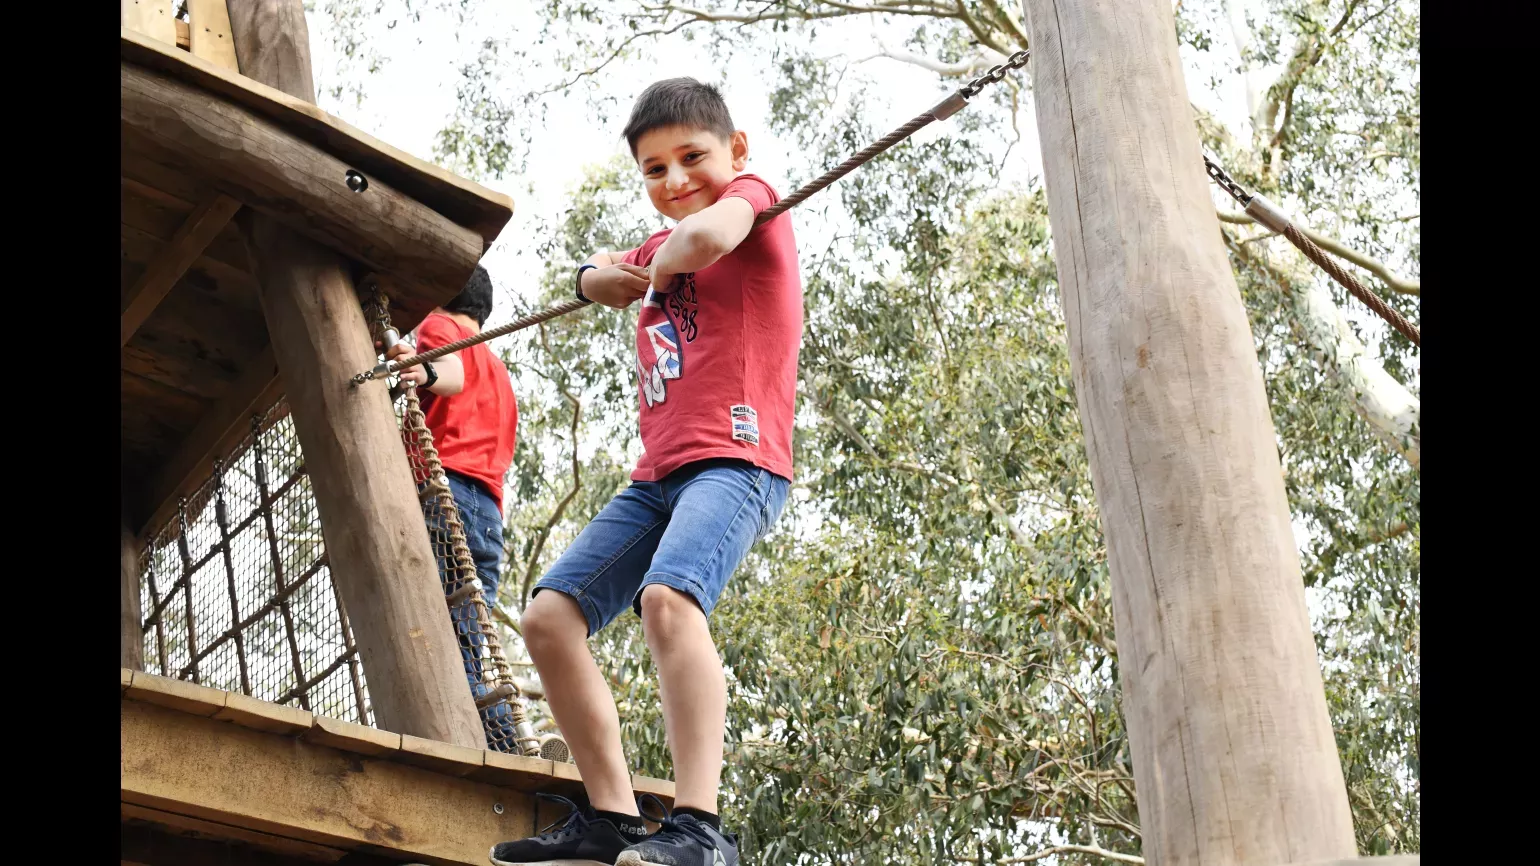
488,673
236,587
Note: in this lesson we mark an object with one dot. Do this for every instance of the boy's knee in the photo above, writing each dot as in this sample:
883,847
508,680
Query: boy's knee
550,620
665,610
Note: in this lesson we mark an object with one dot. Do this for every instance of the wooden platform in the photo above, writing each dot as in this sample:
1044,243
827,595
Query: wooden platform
202,767
200,143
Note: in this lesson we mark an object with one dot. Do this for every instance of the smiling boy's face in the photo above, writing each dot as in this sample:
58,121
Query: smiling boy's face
685,169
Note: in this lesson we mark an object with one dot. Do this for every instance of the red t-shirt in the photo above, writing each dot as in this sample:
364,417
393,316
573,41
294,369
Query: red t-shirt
473,430
717,359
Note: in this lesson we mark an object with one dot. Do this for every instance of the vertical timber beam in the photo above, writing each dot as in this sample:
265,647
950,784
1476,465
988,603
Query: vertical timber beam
1233,753
131,635
150,17
376,539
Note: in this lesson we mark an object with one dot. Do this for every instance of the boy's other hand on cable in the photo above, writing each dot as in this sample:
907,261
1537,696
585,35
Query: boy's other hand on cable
617,286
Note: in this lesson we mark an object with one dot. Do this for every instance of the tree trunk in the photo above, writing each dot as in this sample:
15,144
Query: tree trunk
1233,751
376,540
131,638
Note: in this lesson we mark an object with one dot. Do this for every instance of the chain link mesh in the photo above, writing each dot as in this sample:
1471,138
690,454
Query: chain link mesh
237,590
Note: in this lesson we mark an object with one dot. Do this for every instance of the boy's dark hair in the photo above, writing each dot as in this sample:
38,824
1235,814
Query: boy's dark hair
678,102
475,300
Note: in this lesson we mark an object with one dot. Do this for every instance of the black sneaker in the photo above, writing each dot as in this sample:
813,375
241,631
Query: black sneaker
579,839
684,840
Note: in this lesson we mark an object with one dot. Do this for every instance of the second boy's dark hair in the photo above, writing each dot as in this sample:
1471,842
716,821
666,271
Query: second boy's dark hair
475,300
678,102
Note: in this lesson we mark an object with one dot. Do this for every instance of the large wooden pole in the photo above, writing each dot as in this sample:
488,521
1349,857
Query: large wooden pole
130,637
376,540
1233,753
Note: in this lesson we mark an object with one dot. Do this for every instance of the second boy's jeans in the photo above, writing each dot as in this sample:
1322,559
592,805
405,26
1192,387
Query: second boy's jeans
483,526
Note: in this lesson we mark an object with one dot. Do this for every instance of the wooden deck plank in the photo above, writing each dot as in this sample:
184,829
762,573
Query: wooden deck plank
212,831
248,712
179,695
352,737
294,788
446,758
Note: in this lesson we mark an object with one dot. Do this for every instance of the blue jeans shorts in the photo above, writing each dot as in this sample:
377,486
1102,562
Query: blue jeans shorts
688,532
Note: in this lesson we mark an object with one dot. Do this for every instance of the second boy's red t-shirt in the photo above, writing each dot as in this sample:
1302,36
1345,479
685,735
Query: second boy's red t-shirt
475,429
717,358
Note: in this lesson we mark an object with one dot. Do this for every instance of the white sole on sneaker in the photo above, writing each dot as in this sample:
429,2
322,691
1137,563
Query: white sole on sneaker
631,858
543,862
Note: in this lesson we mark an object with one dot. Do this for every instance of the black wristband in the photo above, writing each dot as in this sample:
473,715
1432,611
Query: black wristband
580,295
427,367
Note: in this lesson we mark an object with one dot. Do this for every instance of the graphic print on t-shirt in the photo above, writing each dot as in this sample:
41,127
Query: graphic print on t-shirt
666,359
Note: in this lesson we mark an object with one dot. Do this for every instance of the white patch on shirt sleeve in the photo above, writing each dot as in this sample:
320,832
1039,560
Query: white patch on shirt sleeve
745,423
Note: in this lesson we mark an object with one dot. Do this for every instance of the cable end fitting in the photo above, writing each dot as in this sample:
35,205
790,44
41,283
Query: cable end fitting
950,106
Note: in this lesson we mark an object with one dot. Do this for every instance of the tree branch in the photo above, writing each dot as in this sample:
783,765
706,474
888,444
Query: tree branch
788,13
619,49
984,37
968,66
1004,15
1393,412
1311,49
1075,849
1393,282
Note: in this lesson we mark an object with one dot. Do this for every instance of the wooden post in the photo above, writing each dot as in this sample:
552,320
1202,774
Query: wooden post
131,638
381,559
150,17
1233,753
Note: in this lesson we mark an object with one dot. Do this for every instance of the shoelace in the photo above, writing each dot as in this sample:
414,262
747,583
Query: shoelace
677,830
574,821
646,800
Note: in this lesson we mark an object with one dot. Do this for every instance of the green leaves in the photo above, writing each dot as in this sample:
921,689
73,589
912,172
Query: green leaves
921,656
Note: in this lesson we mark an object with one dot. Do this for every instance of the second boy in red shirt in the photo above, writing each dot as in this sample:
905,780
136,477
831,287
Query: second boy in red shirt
469,407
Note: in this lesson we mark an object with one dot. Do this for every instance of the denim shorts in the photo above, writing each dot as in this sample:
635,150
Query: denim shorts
688,532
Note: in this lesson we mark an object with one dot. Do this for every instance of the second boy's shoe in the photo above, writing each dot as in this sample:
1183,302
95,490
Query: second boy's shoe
579,839
683,841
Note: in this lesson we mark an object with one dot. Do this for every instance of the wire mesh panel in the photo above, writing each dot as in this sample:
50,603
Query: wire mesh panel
239,596
237,592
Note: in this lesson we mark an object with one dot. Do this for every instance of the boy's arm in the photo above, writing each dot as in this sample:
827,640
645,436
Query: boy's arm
450,370
702,238
604,259
612,282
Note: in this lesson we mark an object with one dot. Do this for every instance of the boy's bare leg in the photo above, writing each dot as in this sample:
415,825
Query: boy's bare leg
557,637
694,692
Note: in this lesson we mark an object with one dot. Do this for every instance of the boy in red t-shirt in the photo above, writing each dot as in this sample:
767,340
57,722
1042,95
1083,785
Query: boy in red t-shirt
469,407
716,381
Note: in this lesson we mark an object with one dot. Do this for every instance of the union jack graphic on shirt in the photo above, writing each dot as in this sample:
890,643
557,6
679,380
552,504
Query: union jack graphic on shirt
663,362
